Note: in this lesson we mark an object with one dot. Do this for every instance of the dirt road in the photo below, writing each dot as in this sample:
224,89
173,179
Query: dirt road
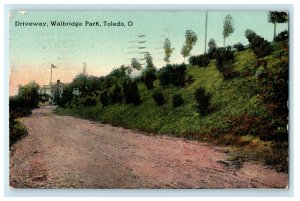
67,152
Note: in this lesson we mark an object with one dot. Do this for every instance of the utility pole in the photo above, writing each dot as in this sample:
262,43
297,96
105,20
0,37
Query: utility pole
84,68
205,32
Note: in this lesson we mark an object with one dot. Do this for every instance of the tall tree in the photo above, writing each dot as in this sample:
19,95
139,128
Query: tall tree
149,60
228,27
277,17
168,50
190,41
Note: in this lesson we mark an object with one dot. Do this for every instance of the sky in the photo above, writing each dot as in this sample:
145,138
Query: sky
32,50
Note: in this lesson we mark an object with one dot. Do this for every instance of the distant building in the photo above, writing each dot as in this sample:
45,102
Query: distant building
51,92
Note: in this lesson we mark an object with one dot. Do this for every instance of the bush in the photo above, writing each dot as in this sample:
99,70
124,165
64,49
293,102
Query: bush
159,98
172,74
239,47
199,60
149,77
132,94
104,98
225,59
89,102
116,95
16,131
203,100
284,35
177,100
260,46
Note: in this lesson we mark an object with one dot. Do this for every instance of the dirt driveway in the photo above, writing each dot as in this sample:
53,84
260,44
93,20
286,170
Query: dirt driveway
67,152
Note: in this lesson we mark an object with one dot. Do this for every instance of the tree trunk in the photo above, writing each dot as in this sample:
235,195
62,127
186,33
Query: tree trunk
224,41
274,30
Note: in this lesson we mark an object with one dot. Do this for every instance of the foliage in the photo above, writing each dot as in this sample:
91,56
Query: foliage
199,60
104,98
116,94
284,35
29,94
132,94
168,50
135,64
190,41
277,17
172,75
16,131
260,46
159,98
239,46
225,59
89,101
149,60
149,77
212,48
203,100
228,27
177,100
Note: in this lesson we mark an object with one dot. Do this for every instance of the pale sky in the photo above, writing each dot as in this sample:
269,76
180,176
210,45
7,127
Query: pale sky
32,50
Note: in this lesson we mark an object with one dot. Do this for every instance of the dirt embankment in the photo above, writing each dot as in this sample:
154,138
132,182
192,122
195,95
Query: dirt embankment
67,152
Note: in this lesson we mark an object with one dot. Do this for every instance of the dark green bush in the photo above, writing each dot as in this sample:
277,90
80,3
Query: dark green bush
177,100
199,60
284,35
116,95
225,59
260,46
203,100
159,98
132,94
239,46
149,77
172,75
104,98
16,131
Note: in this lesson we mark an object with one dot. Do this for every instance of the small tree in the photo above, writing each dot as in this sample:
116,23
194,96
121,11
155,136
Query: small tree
135,64
168,50
149,77
203,100
132,94
228,27
149,60
116,94
277,17
190,41
212,48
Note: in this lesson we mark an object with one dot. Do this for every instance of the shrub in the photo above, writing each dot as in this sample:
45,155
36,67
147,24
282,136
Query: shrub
159,98
132,94
260,46
149,77
116,95
239,47
212,48
16,131
177,100
104,98
172,74
199,60
89,101
284,35
203,100
225,59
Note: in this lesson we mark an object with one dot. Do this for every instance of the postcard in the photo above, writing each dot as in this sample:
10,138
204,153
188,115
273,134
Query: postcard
148,99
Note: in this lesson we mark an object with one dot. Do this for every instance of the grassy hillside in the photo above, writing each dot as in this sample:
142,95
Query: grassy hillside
238,111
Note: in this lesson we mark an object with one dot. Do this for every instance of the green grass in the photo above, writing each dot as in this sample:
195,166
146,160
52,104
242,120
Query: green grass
234,97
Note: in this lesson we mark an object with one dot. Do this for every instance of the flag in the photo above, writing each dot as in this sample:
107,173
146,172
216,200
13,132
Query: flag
52,66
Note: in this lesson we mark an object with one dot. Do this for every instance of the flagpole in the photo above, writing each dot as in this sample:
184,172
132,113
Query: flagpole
51,76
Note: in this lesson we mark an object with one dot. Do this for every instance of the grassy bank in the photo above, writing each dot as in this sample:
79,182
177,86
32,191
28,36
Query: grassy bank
239,117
